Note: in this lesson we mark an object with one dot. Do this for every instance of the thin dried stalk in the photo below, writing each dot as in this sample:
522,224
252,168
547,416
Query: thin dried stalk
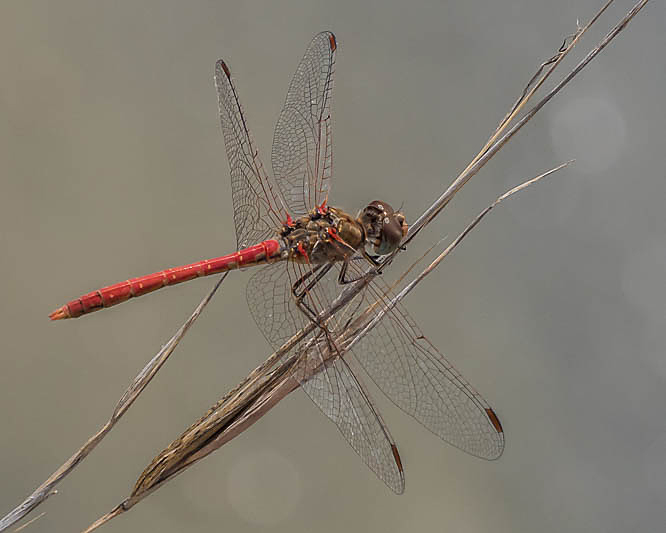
29,522
140,382
472,224
359,331
531,89
495,143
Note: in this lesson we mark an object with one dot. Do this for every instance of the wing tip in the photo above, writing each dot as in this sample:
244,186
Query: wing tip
494,420
400,487
221,65
396,456
333,43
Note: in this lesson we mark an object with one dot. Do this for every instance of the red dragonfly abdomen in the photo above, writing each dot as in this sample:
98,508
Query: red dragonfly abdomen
114,294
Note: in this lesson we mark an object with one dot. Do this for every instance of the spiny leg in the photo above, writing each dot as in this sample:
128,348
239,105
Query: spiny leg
343,269
319,272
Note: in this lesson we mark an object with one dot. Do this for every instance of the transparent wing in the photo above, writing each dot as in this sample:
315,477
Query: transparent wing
257,206
341,397
398,358
272,305
302,155
418,378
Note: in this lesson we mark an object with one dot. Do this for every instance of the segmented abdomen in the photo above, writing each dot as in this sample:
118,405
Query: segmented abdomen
263,252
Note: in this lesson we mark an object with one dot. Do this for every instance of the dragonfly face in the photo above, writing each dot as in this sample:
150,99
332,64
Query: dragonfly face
384,227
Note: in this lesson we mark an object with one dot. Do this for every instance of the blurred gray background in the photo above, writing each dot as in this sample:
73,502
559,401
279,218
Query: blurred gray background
555,308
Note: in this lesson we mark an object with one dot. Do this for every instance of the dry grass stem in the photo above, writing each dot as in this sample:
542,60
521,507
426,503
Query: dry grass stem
29,522
408,288
140,382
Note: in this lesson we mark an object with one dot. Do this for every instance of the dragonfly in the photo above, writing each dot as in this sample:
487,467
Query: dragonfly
307,250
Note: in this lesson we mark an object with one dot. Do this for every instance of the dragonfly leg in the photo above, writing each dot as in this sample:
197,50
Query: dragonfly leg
300,296
343,272
370,258
319,272
342,280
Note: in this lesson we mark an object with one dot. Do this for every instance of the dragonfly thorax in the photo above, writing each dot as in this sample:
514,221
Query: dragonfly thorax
324,235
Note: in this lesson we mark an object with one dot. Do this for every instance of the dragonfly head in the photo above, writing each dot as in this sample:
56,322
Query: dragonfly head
384,228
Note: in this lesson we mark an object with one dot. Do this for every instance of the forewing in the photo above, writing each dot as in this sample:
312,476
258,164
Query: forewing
302,155
419,380
257,207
